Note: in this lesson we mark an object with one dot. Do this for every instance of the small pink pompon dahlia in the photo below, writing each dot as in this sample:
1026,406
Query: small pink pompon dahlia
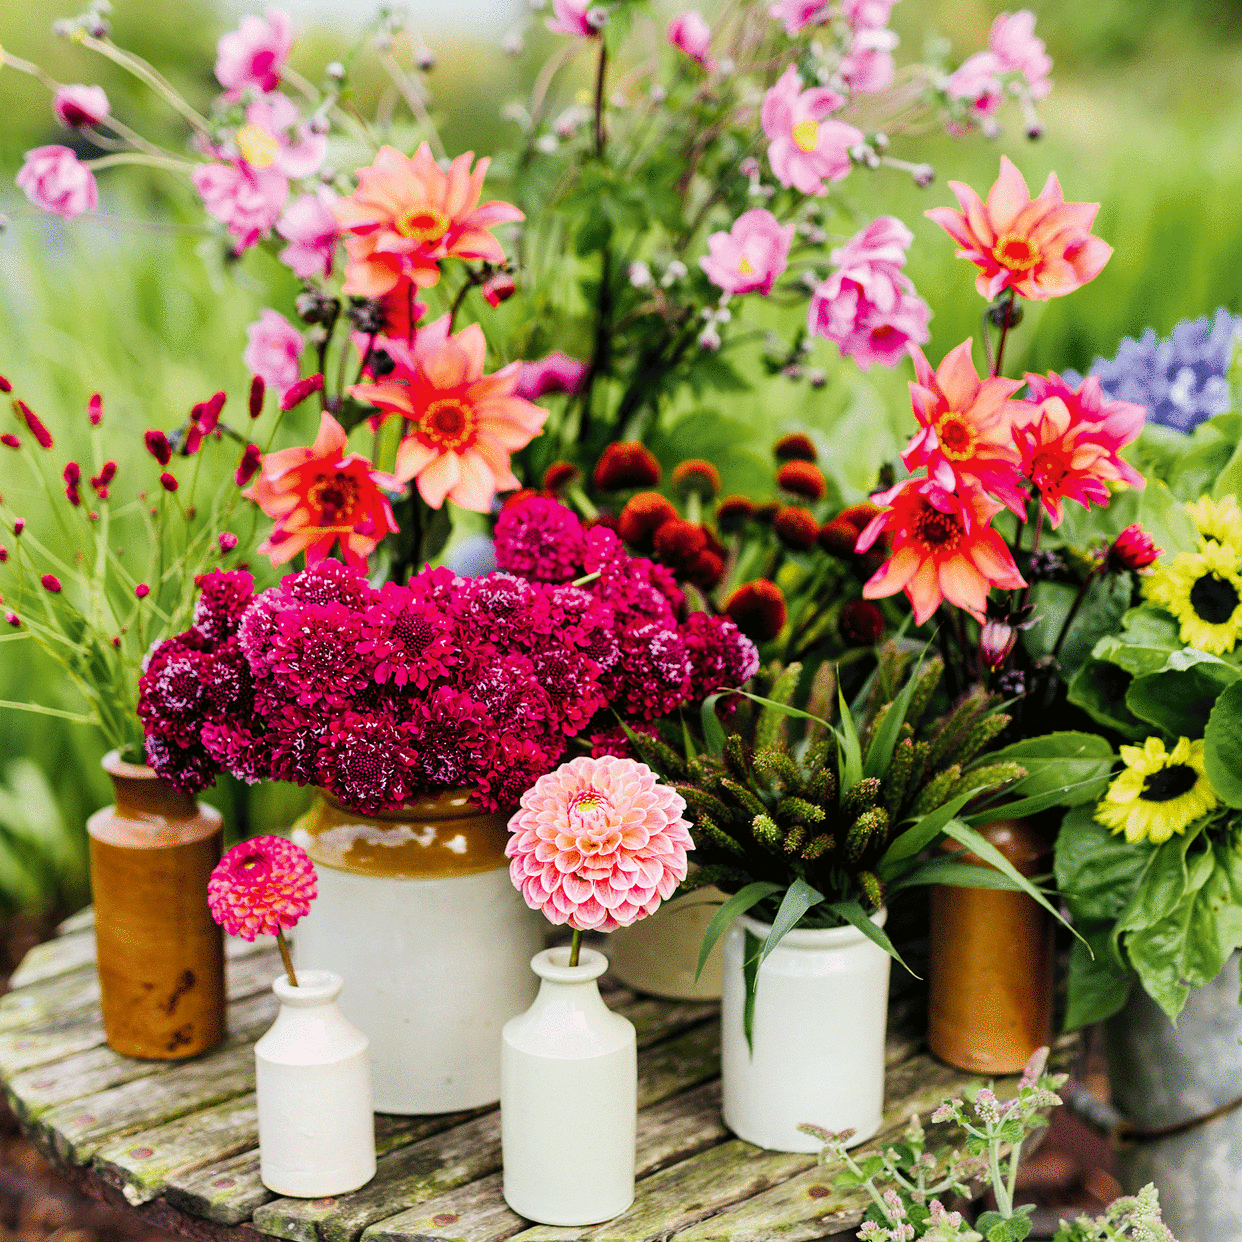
261,887
598,843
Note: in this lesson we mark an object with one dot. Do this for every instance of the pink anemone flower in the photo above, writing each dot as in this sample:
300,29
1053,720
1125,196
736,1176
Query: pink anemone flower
55,180
598,843
464,423
943,548
751,255
806,148
253,55
965,427
1040,248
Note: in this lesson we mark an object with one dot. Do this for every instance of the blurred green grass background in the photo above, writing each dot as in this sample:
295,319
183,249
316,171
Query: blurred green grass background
1144,118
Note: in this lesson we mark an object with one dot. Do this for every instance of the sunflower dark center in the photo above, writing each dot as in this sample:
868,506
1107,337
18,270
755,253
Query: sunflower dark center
1214,599
1169,783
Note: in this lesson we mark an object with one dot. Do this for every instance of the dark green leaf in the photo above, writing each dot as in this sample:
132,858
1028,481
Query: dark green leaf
1222,746
1099,688
1096,870
750,985
798,899
1059,762
880,752
738,904
1179,697
924,831
1097,987
713,730
853,913
849,745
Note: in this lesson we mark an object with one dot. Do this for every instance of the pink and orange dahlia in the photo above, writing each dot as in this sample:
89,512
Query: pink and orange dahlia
406,215
598,843
261,887
1040,248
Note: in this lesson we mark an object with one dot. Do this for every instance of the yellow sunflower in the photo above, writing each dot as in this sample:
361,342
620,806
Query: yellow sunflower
1203,590
1219,520
1158,794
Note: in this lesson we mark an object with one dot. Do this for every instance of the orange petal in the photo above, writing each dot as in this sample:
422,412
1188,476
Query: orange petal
957,378
438,478
477,485
1007,197
412,458
962,584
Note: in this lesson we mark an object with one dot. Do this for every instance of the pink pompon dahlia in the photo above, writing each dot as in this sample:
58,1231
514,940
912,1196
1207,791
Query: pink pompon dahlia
965,427
1039,247
806,148
262,887
944,548
598,843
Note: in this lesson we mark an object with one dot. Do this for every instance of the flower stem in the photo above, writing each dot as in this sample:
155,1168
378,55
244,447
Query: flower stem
599,98
575,946
1073,612
283,945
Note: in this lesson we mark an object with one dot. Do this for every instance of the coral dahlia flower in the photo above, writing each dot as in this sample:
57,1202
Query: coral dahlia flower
598,843
965,427
1070,442
463,424
943,548
406,215
322,494
1040,248
261,887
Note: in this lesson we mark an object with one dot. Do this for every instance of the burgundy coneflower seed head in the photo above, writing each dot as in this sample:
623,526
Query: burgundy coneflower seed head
795,447
609,521
249,465
766,512
858,516
169,482
257,392
559,475
94,409
625,465
796,528
227,540
642,516
51,583
838,538
802,478
696,476
32,420
1134,549
158,446
757,609
706,570
733,512
677,542
11,440
861,623
300,391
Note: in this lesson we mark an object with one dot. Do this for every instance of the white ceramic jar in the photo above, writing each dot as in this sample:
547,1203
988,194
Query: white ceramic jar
569,1099
313,1086
821,1011
417,911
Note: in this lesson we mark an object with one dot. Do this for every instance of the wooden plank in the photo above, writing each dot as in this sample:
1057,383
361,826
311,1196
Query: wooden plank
677,1197
82,921
77,1130
403,1179
49,999
678,1063
55,957
655,1020
34,1091
477,1213
140,1164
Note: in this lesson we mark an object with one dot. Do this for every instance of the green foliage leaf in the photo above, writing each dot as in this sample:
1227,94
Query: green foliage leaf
1096,871
798,899
1178,698
1060,762
750,985
852,912
1097,987
923,832
713,730
739,903
849,746
880,752
1099,688
1222,746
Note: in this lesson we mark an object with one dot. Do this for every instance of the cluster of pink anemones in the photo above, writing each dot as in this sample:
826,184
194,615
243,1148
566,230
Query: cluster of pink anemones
261,887
598,843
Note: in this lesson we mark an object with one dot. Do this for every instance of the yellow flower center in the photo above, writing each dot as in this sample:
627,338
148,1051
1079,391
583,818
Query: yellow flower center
957,437
258,148
335,496
1015,252
745,266
448,424
806,135
424,224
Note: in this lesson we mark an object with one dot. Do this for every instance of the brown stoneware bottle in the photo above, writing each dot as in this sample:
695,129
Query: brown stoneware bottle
990,979
160,954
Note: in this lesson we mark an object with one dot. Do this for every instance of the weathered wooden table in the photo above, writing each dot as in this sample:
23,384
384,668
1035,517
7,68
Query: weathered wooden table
177,1142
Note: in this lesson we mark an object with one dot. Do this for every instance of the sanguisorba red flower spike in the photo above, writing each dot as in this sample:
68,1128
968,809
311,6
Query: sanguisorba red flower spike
73,478
257,392
32,420
5,386
51,583
9,440
158,446
1040,248
944,548
261,887
94,409
297,393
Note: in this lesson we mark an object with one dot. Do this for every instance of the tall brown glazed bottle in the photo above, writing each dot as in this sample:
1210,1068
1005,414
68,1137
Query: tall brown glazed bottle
160,954
990,980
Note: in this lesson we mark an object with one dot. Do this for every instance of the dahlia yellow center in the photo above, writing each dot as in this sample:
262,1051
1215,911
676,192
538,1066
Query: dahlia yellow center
806,135
448,424
258,148
424,224
1015,252
957,437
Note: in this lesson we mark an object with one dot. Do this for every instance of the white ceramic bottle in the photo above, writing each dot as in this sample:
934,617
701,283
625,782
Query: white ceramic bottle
821,1012
313,1082
569,1098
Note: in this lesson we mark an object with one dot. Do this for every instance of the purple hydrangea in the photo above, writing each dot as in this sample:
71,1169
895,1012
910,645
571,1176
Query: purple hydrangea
1182,379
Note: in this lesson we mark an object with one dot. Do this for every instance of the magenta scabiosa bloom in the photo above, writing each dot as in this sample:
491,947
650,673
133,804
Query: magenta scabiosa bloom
540,539
598,843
